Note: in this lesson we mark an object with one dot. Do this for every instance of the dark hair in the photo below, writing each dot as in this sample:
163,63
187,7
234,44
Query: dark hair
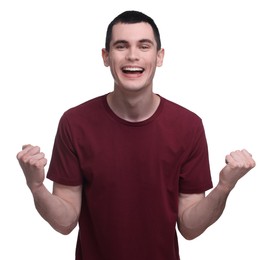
131,17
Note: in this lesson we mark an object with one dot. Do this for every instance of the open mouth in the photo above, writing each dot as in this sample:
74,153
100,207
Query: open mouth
132,70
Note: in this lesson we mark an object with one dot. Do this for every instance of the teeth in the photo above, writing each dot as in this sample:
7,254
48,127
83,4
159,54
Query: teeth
132,69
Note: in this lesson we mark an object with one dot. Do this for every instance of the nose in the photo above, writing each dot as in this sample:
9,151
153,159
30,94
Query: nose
132,54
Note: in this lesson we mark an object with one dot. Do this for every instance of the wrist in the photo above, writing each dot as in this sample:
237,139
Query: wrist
35,187
225,187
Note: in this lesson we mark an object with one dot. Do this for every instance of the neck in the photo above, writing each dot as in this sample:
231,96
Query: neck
133,107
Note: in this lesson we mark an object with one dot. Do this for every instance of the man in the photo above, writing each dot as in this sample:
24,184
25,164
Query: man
130,165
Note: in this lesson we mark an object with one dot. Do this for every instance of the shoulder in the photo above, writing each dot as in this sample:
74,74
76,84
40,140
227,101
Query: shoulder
87,105
176,111
89,112
87,109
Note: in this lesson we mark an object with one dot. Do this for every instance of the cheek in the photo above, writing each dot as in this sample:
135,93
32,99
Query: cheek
114,62
114,68
153,66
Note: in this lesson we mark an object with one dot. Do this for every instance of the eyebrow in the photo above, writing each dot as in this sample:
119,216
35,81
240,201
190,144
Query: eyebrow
146,41
119,42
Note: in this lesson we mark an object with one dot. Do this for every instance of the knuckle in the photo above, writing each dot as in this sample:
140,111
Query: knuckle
18,156
32,161
24,159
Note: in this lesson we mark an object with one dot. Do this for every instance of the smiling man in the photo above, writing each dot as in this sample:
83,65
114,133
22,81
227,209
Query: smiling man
129,166
133,56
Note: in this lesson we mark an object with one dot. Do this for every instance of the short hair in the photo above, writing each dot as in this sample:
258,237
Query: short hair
131,17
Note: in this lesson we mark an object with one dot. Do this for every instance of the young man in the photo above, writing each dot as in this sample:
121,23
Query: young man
130,165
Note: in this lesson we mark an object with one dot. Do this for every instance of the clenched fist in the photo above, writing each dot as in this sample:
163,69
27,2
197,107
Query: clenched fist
32,162
238,164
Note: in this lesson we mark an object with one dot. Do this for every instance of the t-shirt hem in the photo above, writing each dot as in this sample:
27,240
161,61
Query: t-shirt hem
196,190
64,181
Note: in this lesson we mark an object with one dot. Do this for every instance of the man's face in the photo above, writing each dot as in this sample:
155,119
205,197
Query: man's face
133,56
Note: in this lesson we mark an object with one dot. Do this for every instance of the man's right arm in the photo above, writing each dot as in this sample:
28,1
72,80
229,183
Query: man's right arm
61,208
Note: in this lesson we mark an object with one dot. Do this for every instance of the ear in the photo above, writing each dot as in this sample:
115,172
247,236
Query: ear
105,57
160,57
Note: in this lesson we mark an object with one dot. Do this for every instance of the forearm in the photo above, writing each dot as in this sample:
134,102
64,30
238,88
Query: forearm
60,208
197,213
56,211
197,218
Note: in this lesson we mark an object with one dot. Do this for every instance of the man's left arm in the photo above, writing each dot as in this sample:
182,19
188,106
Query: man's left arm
197,211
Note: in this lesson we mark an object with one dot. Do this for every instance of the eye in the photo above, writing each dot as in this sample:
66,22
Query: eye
120,46
145,47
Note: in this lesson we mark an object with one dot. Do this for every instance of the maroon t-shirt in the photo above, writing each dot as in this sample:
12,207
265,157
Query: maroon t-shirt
132,174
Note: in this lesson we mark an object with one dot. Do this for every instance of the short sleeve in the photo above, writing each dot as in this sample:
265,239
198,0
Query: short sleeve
195,176
64,166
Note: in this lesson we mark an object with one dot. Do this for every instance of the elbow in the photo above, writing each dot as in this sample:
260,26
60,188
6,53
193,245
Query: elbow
188,235
64,230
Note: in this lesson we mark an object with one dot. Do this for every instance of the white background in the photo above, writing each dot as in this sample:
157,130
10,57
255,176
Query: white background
218,63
